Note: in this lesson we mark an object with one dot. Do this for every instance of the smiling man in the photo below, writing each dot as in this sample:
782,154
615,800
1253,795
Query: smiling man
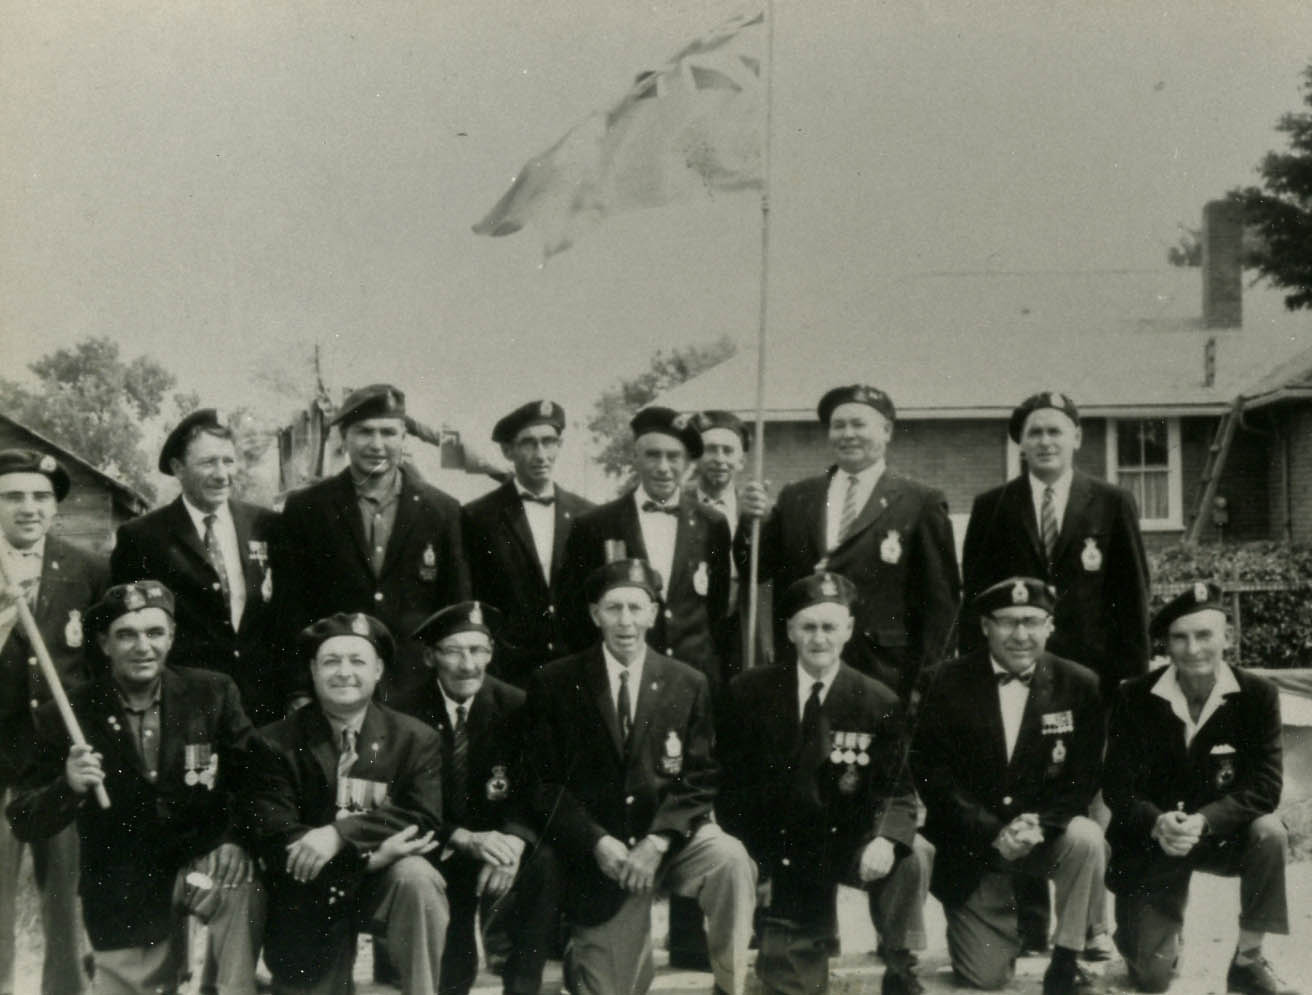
1193,780
171,749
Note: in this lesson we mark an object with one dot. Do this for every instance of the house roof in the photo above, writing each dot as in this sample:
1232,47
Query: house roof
974,344
1290,380
136,501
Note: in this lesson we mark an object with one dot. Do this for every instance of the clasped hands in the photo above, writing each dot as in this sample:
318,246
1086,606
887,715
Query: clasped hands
635,869
1177,833
499,854
1019,836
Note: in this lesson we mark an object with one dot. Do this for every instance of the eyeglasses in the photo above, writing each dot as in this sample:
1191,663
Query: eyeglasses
1029,624
461,652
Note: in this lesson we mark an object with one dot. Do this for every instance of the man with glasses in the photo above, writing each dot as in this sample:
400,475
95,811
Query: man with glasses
1007,756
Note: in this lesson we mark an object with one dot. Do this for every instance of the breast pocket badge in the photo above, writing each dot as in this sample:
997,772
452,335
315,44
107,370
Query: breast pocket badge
701,579
890,550
1225,767
1091,555
200,765
428,565
73,630
498,785
357,795
671,761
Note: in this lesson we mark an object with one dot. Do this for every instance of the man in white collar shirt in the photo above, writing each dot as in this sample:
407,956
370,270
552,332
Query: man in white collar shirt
1193,779
60,583
515,539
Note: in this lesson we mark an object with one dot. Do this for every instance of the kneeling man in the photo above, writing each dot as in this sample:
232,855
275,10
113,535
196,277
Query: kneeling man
624,778
1193,781
1007,757
817,788
346,800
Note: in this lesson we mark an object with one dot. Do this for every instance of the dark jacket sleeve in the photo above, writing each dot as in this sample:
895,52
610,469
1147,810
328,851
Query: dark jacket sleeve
896,817
688,801
582,556
973,561
290,562
932,585
43,803
952,804
556,812
1260,794
1083,772
1128,596
1128,753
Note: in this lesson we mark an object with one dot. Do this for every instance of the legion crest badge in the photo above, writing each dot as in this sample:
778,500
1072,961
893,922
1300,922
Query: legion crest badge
1091,555
1020,594
134,600
671,761
890,550
428,564
498,785
701,580
47,464
828,589
1200,593
545,409
850,780
73,630
1059,752
360,625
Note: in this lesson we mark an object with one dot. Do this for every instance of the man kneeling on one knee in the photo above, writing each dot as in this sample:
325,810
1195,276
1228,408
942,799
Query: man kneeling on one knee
346,800
1007,757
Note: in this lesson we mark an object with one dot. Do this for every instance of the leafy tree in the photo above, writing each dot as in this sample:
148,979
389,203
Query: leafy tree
1279,217
611,413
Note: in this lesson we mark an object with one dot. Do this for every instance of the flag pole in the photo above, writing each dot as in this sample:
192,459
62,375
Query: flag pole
758,456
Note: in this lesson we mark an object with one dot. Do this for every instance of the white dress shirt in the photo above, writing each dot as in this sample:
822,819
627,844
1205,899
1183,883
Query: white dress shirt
1012,698
1168,688
1061,493
21,566
658,533
226,533
451,705
805,682
541,525
865,486
613,670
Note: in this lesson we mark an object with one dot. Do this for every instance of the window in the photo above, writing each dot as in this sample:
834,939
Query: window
1143,456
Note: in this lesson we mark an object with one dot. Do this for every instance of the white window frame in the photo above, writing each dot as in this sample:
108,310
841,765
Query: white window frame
1174,472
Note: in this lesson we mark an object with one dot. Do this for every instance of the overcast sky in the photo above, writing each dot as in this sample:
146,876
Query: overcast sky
223,184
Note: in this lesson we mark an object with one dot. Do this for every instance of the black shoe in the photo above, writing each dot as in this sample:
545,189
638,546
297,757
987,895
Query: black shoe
1033,945
690,960
900,974
1257,977
1064,976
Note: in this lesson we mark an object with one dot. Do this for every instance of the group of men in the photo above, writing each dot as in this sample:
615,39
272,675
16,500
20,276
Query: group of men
507,714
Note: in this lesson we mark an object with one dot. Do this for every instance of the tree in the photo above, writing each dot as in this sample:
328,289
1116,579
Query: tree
1279,217
612,411
88,400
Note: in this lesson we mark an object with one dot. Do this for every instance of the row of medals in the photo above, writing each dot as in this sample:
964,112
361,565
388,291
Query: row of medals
850,748
200,763
356,795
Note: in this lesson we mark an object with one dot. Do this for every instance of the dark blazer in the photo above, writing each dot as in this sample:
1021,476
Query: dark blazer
71,582
325,562
505,572
165,546
899,554
969,788
690,626
1101,618
803,817
584,785
1231,772
294,789
132,851
495,789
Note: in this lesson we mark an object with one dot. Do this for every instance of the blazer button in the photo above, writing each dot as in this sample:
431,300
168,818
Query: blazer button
34,703
1007,800
629,800
217,586
31,661
551,609
786,862
236,653
551,646
378,595
633,841
668,613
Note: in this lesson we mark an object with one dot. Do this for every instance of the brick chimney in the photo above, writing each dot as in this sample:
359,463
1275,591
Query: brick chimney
1223,293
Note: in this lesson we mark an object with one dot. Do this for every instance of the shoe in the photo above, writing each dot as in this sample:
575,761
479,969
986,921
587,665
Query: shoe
1098,948
1064,976
1256,978
690,960
1033,944
900,974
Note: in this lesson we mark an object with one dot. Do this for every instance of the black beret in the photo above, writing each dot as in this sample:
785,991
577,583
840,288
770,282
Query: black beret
667,421
1046,399
1016,592
1201,596
378,400
708,420
175,446
856,393
31,461
622,573
532,413
817,589
345,624
467,616
123,598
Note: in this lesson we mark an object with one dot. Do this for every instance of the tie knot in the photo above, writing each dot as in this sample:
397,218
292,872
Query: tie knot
1048,492
210,519
624,676
817,688
348,740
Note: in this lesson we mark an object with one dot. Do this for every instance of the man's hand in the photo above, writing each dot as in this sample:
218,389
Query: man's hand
876,860
82,770
753,500
495,881
611,856
229,866
498,849
308,855
1177,834
638,875
406,843
1019,837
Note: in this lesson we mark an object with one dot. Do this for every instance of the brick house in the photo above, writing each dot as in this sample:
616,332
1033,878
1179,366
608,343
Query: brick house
1151,370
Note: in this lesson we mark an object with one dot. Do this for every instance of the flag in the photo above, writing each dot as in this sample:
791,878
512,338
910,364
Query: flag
691,129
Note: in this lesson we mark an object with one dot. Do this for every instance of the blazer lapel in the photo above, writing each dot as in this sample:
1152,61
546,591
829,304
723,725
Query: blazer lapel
1021,499
319,734
1071,521
174,733
407,513
885,493
1029,739
564,520
512,512
687,537
814,511
988,707
185,534
347,510
653,681
631,530
599,690
371,745
108,713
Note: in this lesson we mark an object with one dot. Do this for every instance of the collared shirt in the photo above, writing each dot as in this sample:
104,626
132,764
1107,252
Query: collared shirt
451,705
541,524
837,496
1168,688
805,682
23,567
613,670
658,533
1061,493
378,512
1012,698
225,531
144,725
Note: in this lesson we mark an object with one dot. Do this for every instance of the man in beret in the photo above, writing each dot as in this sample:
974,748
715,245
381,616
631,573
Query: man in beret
59,582
212,552
887,534
346,800
1193,779
623,781
492,859
374,538
1007,755
170,747
1081,535
515,540
817,787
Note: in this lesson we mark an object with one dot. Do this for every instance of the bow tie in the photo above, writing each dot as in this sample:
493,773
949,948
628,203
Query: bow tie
1006,677
667,509
548,500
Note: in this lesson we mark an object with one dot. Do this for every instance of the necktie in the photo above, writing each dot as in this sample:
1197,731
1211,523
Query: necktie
347,757
460,761
1005,678
1048,521
216,559
547,500
667,509
625,712
848,516
811,713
